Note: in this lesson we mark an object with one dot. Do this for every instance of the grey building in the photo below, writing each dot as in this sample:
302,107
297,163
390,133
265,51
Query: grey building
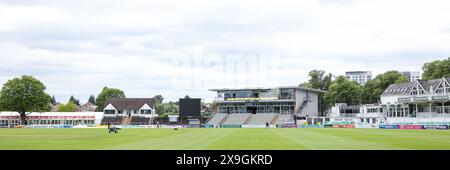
281,100
412,75
361,77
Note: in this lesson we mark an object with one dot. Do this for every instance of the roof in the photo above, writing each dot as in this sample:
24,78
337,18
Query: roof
261,88
399,88
130,103
405,88
358,72
430,83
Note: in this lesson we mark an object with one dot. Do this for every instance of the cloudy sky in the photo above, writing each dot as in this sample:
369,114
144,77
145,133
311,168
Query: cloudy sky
179,47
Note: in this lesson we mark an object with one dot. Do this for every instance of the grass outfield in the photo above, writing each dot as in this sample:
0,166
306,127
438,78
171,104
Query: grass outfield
241,139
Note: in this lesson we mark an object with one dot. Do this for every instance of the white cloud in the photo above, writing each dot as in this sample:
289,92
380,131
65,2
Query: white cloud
181,47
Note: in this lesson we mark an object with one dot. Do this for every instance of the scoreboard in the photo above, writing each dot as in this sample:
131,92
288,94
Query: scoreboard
190,108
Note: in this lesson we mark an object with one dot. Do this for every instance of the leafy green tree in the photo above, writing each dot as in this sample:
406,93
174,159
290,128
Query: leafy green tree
343,90
171,108
167,108
24,94
69,107
318,79
106,94
53,100
158,99
92,99
374,88
159,108
75,101
436,69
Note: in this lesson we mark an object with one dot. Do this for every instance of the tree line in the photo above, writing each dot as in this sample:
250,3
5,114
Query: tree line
27,94
343,90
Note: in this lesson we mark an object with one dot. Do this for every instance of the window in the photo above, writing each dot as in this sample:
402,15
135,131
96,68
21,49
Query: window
120,111
442,89
110,112
146,111
287,93
416,91
372,110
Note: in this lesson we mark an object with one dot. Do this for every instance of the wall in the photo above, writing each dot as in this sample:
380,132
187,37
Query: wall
415,120
390,99
312,108
110,107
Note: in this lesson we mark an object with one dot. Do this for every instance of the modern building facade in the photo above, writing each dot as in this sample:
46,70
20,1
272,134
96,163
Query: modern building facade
361,77
412,76
281,100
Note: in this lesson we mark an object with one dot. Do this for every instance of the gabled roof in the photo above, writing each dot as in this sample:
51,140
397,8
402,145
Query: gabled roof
399,89
129,103
405,88
430,83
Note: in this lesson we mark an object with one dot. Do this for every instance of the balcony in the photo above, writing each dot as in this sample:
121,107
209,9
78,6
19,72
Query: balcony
425,98
259,99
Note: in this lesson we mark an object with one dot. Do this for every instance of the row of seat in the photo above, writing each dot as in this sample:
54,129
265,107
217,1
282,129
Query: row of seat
248,119
236,119
282,118
216,119
111,120
118,121
261,119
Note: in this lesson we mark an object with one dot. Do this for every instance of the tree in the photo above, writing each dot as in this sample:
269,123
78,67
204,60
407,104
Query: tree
75,101
319,80
159,106
158,99
106,94
24,94
374,88
53,100
436,69
171,108
343,90
69,107
167,108
92,99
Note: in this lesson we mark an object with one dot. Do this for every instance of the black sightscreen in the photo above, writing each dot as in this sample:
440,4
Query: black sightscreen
190,108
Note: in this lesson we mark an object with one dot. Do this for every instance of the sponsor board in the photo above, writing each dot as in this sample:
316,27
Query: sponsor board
289,126
435,127
49,126
311,126
410,126
257,126
344,126
388,126
366,126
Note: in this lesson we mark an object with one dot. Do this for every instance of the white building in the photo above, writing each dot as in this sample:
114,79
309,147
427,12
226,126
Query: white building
129,111
48,119
412,76
418,102
368,114
361,77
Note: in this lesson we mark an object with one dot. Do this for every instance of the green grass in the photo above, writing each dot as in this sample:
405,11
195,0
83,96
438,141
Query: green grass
240,139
